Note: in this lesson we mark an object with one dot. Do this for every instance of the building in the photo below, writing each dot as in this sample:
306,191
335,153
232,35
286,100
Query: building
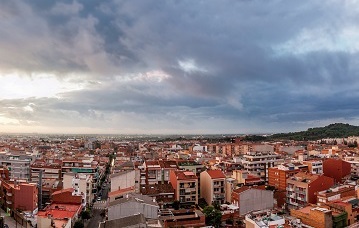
18,164
183,218
185,185
335,193
81,183
123,180
243,177
230,185
18,196
314,166
138,221
263,219
51,169
337,169
249,198
213,186
258,162
301,188
133,204
277,176
313,216
354,163
157,171
58,215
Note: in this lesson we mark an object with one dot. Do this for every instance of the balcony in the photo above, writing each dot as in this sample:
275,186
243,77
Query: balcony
9,194
8,202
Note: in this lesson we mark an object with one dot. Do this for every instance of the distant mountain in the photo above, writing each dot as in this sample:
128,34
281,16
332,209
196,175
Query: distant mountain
337,130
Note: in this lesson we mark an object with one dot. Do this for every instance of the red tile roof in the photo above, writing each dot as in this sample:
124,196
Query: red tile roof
215,174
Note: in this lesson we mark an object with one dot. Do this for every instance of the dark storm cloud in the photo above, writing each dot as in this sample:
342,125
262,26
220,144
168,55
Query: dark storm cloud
286,62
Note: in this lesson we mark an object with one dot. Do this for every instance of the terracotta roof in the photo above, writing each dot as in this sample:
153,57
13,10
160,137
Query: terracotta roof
63,190
215,174
185,175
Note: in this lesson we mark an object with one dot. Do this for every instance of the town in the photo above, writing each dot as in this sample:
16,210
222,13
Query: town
105,181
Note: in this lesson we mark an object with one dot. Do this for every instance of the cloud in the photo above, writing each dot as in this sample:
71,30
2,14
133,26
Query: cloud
145,66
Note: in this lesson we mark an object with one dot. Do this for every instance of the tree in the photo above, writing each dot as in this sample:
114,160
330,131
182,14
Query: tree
213,216
85,215
79,224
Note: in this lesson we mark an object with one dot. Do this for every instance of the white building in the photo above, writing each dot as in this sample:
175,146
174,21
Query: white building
133,204
81,183
259,162
122,180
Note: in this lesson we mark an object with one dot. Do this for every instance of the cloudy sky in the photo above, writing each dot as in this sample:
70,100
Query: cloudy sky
178,66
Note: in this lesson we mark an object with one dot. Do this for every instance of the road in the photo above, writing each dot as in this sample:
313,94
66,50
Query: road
96,211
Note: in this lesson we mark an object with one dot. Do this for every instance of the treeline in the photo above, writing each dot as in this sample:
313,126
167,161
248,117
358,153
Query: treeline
337,130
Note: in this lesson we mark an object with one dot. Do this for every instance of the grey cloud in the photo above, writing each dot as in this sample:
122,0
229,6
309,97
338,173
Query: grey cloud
243,77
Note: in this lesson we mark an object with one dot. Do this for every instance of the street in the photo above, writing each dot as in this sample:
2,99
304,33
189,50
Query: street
97,208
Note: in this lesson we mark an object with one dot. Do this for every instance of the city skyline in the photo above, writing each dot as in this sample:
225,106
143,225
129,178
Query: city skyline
177,67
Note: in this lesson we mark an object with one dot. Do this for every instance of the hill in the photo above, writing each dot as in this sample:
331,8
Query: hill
337,130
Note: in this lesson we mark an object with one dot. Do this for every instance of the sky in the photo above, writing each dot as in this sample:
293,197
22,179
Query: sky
177,66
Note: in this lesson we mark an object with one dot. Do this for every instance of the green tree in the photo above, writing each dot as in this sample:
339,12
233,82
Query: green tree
79,224
213,216
85,215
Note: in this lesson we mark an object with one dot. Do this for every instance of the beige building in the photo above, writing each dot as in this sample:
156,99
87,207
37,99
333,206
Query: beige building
185,185
212,184
231,184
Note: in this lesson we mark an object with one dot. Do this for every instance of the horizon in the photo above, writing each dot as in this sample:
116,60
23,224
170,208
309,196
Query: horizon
177,67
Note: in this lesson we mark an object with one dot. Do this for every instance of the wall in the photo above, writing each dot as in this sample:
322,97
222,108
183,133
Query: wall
206,187
336,168
130,208
255,199
315,218
125,180
26,197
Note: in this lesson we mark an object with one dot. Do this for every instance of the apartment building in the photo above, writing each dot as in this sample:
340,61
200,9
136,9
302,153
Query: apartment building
301,188
18,164
335,193
51,169
18,196
337,168
87,166
81,183
354,164
259,162
314,166
156,171
277,176
185,185
212,184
